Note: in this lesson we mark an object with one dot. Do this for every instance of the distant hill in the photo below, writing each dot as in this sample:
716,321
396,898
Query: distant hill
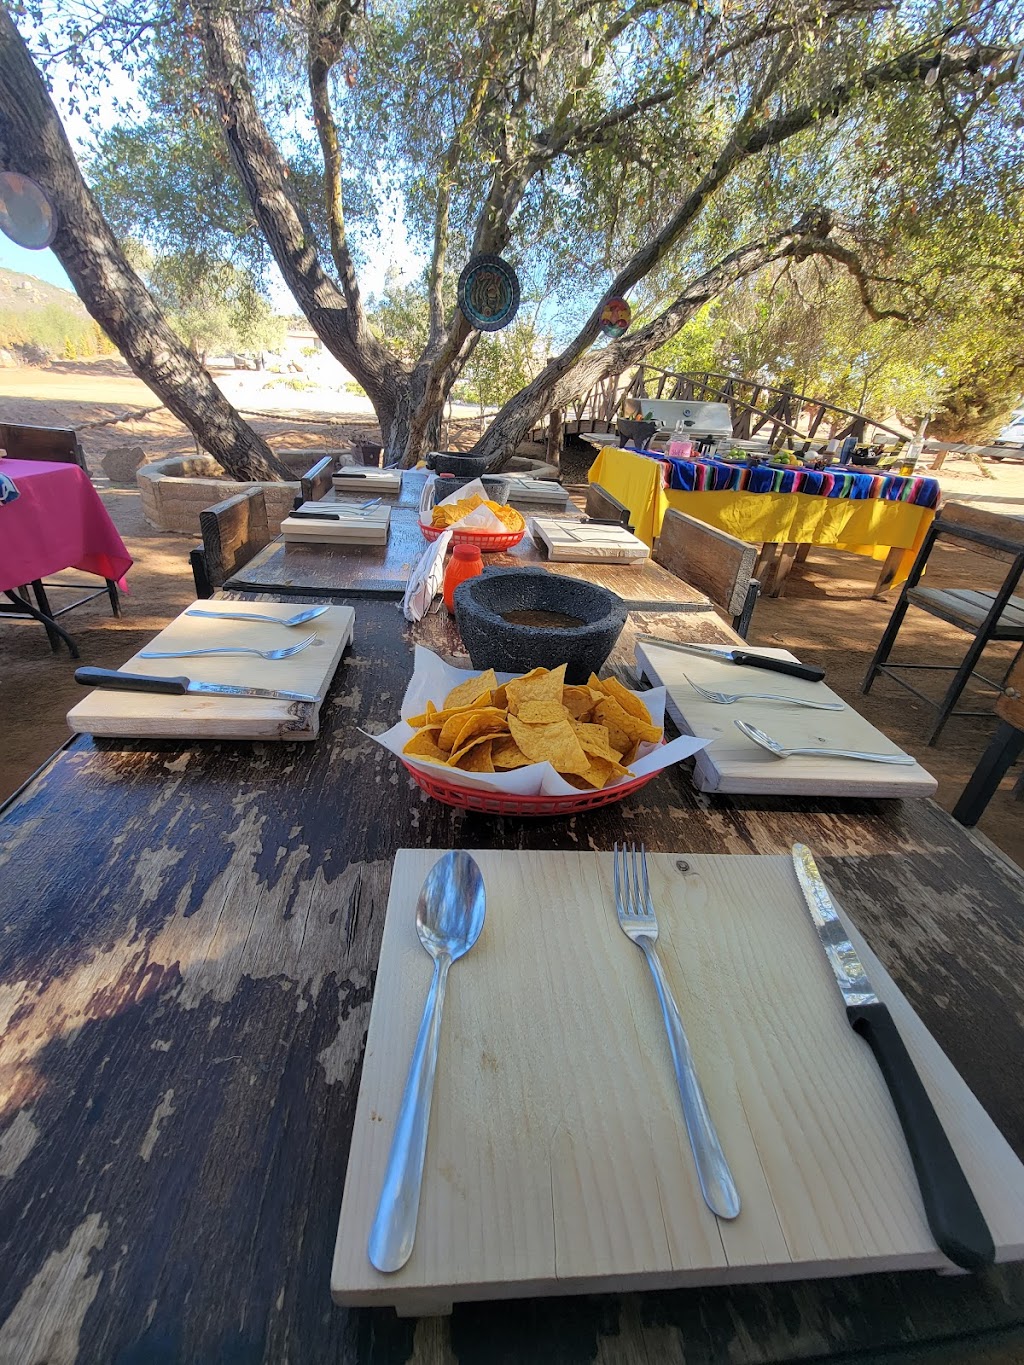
40,321
22,293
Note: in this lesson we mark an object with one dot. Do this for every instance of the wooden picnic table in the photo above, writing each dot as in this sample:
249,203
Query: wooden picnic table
190,940
361,571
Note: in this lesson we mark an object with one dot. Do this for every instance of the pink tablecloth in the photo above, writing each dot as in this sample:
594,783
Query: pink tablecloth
57,523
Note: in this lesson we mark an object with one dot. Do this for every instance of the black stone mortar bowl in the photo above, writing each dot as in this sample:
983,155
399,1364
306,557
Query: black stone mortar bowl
493,642
496,488
461,465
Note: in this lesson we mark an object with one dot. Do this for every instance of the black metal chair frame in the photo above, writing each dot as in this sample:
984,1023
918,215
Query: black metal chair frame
1005,747
19,607
967,669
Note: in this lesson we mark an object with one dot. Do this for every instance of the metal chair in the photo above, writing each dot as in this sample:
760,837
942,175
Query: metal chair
715,563
984,614
601,506
233,531
1004,749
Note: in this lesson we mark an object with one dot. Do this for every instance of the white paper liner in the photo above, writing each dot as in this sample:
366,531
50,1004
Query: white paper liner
433,679
480,519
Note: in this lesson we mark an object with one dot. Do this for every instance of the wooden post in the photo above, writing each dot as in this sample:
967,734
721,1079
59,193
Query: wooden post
554,452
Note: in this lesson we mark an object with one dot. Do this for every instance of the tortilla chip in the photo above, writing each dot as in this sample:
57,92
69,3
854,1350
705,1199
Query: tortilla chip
620,722
471,691
579,701
423,744
541,684
476,758
594,740
471,716
629,701
602,771
541,712
499,699
555,744
454,759
487,721
426,718
506,754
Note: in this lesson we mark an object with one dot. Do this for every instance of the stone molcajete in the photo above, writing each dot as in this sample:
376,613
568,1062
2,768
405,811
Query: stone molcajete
513,620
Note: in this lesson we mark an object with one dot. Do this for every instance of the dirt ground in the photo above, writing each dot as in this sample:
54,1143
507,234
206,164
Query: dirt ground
827,617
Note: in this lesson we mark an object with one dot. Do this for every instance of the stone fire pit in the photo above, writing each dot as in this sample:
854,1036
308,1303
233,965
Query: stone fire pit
174,491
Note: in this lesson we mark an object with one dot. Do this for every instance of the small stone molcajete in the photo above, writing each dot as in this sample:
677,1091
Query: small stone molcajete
496,487
484,605
453,462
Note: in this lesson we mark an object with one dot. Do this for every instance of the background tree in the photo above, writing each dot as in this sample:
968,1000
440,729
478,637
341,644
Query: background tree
597,145
32,141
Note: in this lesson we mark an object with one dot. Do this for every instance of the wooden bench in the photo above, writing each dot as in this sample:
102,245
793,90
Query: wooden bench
712,561
57,444
233,531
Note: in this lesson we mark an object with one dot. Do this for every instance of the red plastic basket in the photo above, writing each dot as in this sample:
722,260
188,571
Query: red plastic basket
499,803
485,541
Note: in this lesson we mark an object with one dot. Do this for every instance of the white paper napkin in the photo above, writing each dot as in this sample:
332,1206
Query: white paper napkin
426,580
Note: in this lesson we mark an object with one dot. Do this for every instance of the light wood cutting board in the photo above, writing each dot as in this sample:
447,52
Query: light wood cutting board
734,763
581,543
557,1160
141,714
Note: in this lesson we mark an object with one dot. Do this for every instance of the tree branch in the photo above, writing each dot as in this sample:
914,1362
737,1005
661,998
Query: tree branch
853,263
326,40
565,377
263,173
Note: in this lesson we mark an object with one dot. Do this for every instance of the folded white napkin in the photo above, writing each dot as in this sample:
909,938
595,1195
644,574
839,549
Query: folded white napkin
426,579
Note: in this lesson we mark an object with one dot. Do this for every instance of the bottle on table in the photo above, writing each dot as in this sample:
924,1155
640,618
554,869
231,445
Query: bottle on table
466,562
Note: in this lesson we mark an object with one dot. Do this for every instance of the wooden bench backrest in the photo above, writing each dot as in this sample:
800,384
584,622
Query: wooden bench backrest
233,531
318,481
603,507
1004,534
708,559
59,444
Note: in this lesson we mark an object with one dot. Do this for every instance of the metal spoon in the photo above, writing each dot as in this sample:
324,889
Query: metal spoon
774,747
298,619
449,918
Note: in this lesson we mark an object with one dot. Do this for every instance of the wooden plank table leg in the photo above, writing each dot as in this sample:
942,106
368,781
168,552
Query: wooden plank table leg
787,556
803,551
888,571
764,570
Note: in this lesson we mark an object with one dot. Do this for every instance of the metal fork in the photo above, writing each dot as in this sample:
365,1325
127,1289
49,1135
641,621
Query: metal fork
285,653
728,697
640,924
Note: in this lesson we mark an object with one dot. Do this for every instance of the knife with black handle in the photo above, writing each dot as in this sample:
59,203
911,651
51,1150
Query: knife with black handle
114,679
956,1221
809,672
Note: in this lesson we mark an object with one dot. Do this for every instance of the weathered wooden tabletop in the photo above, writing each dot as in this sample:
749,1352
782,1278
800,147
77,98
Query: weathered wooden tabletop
190,936
358,571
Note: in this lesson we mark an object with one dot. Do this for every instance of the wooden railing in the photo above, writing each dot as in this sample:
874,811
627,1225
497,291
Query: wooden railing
756,408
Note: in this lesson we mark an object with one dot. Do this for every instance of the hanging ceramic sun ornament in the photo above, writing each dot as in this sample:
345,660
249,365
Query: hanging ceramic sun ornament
27,215
615,318
489,293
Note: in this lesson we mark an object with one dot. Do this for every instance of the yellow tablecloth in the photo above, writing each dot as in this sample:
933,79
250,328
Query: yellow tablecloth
868,526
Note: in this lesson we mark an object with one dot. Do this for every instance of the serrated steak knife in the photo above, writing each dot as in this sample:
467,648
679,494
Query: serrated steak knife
953,1215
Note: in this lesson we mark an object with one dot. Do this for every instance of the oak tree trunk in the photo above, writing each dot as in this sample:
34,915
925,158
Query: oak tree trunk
32,141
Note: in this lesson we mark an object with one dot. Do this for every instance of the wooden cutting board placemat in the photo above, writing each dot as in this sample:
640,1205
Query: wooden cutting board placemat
557,1161
155,715
734,763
